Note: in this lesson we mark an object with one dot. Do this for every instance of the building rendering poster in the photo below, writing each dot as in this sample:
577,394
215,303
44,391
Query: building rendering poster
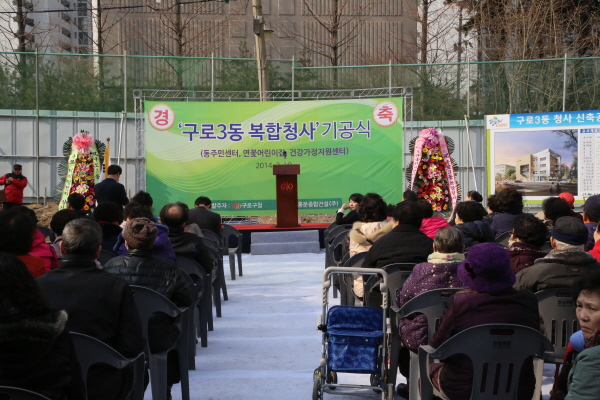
544,154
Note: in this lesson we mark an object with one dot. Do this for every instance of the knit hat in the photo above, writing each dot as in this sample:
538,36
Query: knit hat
487,268
17,166
570,230
568,197
592,205
140,233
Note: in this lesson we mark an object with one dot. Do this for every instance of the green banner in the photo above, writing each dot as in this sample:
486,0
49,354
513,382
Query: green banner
226,151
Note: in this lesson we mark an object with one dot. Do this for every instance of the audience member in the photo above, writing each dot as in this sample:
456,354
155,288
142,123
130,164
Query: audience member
570,199
110,189
527,238
584,378
410,195
510,204
352,205
57,224
440,271
595,252
473,195
99,304
39,247
490,299
110,216
591,217
554,208
492,209
37,350
565,263
202,216
76,202
469,221
144,198
139,267
405,243
372,226
162,246
174,216
16,231
14,183
430,224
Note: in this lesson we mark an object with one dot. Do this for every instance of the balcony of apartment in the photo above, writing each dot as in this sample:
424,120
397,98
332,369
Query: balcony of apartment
65,3
65,16
26,5
66,32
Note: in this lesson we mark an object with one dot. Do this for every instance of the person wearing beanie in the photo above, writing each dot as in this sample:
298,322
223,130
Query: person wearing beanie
591,217
489,299
140,268
565,263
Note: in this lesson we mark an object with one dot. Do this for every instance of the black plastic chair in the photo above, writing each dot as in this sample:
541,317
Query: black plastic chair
202,288
217,278
232,251
48,234
105,256
503,238
90,351
149,302
346,293
14,393
192,324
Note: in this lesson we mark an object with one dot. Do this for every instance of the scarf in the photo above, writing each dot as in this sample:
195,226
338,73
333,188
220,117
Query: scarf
445,258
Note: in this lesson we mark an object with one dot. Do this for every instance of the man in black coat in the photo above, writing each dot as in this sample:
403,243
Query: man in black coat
110,189
185,244
203,217
405,243
99,304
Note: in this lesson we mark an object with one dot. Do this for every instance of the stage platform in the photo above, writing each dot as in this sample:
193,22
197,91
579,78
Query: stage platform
247,229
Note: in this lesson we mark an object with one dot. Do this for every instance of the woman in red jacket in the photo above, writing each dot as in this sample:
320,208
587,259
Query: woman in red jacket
14,184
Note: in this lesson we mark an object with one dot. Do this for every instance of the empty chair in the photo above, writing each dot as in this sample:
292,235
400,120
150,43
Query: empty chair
218,278
149,302
345,280
197,273
13,393
192,323
557,311
503,238
92,351
233,251
497,352
212,236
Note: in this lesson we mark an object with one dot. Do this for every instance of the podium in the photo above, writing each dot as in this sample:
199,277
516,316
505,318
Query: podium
286,177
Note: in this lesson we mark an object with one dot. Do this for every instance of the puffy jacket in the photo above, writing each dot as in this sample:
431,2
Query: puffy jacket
431,225
14,189
162,246
475,232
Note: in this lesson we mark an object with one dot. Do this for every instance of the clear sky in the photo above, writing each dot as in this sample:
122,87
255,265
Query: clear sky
510,145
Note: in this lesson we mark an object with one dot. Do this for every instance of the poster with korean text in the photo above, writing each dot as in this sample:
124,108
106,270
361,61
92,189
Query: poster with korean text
545,154
226,151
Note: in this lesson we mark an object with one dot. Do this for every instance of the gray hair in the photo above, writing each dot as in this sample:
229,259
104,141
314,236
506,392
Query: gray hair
82,236
562,246
449,240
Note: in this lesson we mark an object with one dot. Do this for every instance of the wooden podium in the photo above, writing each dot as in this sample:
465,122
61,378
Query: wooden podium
287,194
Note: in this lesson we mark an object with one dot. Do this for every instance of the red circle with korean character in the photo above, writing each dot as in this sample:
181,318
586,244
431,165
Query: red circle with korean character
385,114
161,117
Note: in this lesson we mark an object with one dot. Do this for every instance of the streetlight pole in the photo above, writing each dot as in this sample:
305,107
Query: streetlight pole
261,49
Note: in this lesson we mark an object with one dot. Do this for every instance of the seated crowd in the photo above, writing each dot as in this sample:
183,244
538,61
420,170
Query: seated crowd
53,287
81,294
500,257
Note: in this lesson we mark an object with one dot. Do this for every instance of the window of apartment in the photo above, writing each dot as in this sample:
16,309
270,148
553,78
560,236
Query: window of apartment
82,9
83,38
543,159
543,165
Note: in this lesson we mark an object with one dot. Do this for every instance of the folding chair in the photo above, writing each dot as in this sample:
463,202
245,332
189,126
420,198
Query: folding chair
228,232
149,302
90,351
204,305
497,352
14,393
432,304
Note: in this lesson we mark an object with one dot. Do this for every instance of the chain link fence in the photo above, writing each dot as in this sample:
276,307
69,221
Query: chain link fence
70,82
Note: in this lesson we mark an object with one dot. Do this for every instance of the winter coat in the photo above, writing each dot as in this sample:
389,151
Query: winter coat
38,355
111,190
404,244
346,219
503,222
475,232
187,244
206,219
595,252
110,235
558,269
162,246
43,250
425,277
35,265
584,377
14,189
523,255
591,229
468,308
430,226
100,305
363,234
140,268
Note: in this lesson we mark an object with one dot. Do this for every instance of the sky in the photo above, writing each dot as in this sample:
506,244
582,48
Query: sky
509,145
266,345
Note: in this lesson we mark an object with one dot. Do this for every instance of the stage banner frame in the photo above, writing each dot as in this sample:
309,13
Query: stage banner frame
226,150
547,153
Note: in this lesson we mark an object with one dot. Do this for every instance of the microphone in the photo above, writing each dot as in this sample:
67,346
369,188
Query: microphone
284,156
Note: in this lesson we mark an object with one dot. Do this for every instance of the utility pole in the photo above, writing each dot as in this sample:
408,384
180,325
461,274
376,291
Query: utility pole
261,49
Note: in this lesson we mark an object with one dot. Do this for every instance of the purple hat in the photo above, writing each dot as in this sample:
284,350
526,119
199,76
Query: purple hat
487,268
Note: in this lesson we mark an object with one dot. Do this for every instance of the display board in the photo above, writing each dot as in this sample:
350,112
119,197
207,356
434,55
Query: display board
227,150
545,154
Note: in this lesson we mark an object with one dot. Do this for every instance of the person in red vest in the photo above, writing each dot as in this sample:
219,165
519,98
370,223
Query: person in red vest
14,183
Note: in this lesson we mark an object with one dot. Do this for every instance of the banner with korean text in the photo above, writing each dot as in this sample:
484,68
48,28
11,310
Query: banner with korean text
227,150
545,154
